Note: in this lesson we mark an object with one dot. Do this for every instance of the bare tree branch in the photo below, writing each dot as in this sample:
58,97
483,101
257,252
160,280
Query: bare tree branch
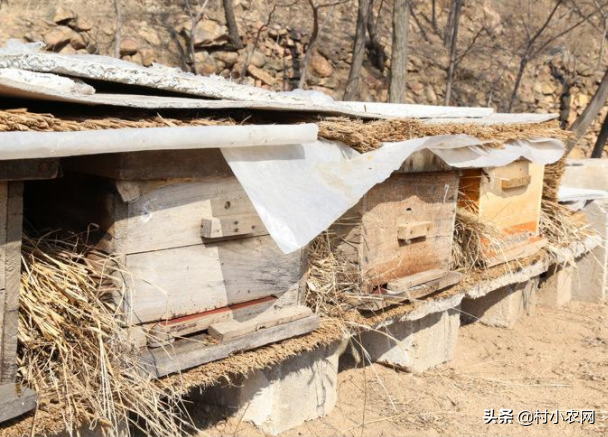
314,35
194,20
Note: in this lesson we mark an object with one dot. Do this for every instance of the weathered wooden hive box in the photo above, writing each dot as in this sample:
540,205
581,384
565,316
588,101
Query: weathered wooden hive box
397,240
509,198
197,257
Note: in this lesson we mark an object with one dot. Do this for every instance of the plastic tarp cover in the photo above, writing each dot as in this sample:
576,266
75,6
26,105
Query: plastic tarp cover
300,190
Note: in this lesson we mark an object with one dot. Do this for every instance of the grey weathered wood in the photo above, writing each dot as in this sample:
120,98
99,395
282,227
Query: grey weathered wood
191,352
202,163
186,280
15,401
399,292
166,331
234,328
29,169
10,246
512,253
232,226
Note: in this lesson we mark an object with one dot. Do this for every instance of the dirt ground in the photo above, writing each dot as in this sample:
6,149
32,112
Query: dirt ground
554,359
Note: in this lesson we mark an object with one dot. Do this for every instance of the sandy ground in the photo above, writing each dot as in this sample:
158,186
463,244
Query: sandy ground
554,359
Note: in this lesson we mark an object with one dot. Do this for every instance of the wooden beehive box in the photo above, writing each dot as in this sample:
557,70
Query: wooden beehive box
398,238
198,256
509,198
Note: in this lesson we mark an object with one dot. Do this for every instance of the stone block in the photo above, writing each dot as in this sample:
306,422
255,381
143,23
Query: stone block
555,287
290,393
415,345
501,307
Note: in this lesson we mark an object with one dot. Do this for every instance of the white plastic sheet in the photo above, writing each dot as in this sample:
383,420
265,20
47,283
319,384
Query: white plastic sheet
27,145
300,190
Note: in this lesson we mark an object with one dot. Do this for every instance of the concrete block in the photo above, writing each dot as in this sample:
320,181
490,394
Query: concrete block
290,393
501,307
415,345
555,286
586,173
590,281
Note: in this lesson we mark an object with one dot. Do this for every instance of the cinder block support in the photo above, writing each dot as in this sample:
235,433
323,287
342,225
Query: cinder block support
501,307
415,345
290,393
590,281
555,286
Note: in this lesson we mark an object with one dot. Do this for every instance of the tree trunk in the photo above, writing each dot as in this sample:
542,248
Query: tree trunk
311,44
582,123
520,74
118,32
401,18
352,86
454,44
377,53
449,25
233,28
598,148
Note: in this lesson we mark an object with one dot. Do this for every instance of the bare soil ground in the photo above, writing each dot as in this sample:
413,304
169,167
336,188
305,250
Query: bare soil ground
554,359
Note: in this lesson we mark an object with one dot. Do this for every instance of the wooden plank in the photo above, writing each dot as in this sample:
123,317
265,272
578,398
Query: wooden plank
522,181
167,331
231,226
397,294
409,231
170,216
416,279
188,353
172,283
3,223
228,206
234,329
29,169
15,401
202,163
12,276
513,253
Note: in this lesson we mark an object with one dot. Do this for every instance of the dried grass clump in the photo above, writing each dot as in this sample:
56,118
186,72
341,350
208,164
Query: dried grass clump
558,224
364,136
329,278
473,239
553,178
73,350
23,120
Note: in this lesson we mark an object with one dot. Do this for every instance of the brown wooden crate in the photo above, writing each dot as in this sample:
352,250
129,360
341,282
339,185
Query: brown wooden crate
367,236
509,196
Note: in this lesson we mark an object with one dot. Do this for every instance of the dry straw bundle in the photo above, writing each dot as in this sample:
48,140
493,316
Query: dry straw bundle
329,278
23,120
364,136
561,226
473,239
73,350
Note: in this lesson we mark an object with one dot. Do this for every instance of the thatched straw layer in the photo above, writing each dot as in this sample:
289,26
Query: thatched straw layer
364,136
73,351
23,120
